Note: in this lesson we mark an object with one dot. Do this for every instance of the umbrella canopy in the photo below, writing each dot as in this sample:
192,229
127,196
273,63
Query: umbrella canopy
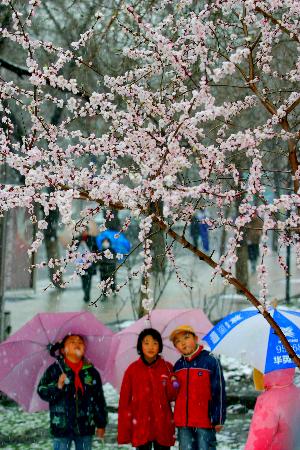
247,336
164,320
119,243
24,356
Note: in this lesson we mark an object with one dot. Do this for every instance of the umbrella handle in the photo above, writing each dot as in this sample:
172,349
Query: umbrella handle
67,380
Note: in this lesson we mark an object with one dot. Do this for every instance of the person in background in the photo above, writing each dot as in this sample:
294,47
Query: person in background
88,243
107,265
276,417
145,415
200,406
200,228
73,389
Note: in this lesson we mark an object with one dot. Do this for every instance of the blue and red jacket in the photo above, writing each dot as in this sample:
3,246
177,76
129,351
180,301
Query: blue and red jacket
201,399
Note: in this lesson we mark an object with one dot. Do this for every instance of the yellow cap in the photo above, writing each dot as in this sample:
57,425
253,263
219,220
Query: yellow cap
182,329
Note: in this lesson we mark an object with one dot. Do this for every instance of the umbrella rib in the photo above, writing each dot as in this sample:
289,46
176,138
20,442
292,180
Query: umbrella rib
42,325
36,383
166,326
80,313
69,320
25,341
18,364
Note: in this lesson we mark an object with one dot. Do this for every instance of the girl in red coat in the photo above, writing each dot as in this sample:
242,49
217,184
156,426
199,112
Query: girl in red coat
145,415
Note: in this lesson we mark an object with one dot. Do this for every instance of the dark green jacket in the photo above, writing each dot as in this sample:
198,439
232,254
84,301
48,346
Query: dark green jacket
74,414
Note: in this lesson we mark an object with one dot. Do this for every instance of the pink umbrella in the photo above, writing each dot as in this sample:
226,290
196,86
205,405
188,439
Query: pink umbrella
25,355
124,343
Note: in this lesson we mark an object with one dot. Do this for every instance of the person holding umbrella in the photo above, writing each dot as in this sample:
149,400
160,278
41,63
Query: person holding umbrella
145,415
107,265
73,388
88,242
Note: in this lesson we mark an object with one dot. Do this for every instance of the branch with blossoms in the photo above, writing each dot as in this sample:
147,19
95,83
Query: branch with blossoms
206,94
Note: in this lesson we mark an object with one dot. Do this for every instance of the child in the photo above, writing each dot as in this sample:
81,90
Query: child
200,404
145,415
276,415
73,388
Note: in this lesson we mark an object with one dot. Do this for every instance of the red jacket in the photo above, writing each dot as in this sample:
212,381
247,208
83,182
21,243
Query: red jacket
144,408
201,401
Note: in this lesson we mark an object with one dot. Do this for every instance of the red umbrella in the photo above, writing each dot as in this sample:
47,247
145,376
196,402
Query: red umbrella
123,350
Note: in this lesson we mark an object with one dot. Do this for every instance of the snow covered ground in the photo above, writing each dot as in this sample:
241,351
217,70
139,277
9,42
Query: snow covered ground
25,431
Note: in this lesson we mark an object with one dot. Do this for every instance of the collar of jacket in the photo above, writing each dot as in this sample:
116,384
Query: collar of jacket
194,354
151,363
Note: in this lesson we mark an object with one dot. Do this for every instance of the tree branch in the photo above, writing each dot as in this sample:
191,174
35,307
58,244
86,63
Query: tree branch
20,71
275,21
235,282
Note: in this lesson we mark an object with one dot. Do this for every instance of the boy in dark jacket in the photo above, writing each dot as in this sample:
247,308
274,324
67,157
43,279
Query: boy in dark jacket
73,388
200,404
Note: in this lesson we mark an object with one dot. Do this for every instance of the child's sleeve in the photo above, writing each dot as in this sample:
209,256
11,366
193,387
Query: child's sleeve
218,394
47,388
100,410
124,412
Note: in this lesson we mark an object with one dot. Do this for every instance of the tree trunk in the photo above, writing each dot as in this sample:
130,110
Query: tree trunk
51,243
224,235
141,310
158,254
52,251
241,268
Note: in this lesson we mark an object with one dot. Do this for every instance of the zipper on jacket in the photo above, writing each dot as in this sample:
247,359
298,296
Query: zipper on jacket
77,409
187,395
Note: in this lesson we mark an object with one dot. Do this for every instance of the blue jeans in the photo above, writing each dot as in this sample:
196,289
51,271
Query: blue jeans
81,443
196,438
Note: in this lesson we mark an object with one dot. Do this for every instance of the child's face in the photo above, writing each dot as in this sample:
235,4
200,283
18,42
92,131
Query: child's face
150,348
74,348
186,343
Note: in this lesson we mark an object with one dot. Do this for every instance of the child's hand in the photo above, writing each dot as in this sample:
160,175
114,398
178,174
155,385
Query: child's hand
218,428
100,432
61,381
175,382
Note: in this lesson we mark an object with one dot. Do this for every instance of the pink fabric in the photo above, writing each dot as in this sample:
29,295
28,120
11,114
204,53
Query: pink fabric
276,417
24,355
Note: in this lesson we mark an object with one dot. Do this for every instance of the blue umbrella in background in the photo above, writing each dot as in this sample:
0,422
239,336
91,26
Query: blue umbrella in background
247,336
119,243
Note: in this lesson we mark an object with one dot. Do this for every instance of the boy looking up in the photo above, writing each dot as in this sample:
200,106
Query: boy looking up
200,404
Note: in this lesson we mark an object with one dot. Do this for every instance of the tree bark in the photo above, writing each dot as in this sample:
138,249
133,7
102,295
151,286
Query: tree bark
241,267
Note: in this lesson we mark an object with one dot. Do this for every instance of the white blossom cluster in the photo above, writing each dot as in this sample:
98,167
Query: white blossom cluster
173,119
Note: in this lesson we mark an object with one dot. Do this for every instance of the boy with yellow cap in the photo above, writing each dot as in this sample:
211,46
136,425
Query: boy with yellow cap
200,407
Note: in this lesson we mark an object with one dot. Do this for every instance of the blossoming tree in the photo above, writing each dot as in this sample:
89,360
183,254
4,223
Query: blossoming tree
205,116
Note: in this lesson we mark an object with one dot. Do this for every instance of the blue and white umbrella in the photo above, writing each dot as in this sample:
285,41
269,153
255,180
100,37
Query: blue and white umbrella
247,336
